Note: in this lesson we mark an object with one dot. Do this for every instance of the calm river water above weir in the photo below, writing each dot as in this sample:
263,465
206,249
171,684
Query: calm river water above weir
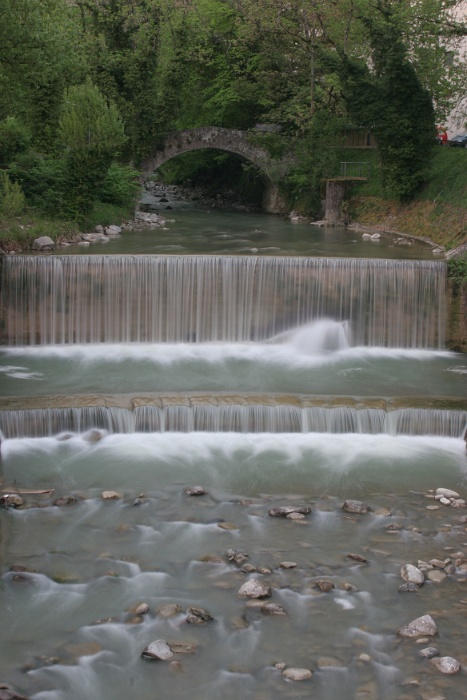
274,365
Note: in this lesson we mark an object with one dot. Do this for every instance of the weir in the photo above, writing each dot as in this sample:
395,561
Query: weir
257,418
141,299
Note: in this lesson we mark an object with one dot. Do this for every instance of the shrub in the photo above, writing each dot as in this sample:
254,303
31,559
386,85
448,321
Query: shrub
12,199
15,138
120,185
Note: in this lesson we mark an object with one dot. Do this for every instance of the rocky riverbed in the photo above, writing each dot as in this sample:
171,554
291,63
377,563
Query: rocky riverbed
364,598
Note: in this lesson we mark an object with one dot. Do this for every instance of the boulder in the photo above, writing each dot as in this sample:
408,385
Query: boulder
410,574
297,674
195,491
111,495
447,493
198,616
43,243
283,511
351,506
169,610
423,626
113,231
446,664
429,652
158,650
254,589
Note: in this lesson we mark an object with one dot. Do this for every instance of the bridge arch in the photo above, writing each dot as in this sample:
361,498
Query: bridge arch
229,140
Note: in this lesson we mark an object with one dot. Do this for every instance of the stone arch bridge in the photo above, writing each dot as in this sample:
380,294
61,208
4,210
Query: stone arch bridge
233,141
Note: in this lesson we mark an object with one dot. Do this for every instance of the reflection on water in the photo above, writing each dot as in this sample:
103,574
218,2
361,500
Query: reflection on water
219,232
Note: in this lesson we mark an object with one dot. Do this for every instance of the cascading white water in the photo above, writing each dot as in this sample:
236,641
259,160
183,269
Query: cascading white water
234,418
89,299
89,561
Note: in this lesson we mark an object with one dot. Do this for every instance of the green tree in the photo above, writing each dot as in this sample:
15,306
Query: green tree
122,44
39,56
385,95
92,133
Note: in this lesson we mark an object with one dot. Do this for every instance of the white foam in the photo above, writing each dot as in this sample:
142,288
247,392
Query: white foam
342,448
303,347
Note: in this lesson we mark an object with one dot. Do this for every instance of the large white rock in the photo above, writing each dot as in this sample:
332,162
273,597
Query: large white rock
43,243
158,650
446,664
253,588
411,574
447,493
423,626
297,674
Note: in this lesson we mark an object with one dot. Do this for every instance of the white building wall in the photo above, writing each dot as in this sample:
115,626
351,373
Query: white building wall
457,120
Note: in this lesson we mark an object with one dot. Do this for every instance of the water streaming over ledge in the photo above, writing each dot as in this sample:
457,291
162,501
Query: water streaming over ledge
90,299
89,563
234,418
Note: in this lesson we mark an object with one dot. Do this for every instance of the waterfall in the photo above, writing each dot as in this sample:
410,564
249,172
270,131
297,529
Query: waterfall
94,299
234,418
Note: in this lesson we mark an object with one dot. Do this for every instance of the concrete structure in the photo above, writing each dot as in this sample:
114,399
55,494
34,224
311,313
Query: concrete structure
457,121
233,141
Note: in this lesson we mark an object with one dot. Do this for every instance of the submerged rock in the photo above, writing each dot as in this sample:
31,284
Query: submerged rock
94,435
297,674
66,500
195,491
324,585
169,610
351,506
409,587
198,616
158,650
423,626
111,495
429,652
11,500
238,556
7,693
272,609
283,511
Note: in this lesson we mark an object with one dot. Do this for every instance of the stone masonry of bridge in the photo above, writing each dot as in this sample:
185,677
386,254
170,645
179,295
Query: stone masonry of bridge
229,140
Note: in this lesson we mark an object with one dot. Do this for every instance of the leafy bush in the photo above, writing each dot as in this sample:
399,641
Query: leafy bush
12,199
120,185
15,138
43,182
457,270
317,159
91,131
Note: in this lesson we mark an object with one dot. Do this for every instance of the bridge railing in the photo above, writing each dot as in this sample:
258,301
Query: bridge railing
354,168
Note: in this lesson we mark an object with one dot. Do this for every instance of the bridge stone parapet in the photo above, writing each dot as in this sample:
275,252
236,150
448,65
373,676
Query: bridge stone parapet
229,140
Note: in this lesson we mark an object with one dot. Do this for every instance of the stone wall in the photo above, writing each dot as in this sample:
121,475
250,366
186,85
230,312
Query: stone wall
457,317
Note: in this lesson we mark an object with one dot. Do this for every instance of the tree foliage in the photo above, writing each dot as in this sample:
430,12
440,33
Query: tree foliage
163,65
92,133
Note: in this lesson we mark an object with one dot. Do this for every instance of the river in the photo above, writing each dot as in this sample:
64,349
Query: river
274,364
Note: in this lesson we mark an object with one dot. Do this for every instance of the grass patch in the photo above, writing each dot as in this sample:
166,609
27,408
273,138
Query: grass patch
17,233
438,212
106,214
